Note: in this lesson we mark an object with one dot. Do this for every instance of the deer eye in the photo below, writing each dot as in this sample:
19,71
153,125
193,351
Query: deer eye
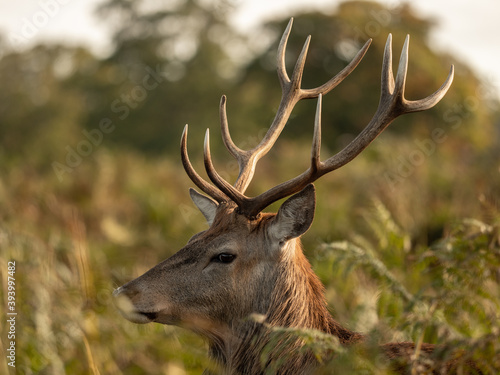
223,258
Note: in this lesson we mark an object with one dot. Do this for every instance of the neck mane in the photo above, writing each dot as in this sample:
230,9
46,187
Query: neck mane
297,301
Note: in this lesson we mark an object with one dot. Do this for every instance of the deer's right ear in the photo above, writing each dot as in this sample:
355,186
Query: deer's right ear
206,205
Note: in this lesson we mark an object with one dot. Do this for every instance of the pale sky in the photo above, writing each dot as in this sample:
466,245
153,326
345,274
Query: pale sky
468,29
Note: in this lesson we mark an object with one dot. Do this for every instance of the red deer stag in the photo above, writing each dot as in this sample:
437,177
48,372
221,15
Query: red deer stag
248,262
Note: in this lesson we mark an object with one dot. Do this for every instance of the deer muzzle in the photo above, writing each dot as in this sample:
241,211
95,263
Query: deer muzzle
124,302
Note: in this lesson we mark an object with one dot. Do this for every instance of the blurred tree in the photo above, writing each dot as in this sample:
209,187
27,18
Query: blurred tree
169,67
40,115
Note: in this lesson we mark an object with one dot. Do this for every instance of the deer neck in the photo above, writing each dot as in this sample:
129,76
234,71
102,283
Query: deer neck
299,299
296,300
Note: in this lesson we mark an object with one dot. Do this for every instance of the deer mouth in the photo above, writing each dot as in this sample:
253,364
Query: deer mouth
152,316
129,311
138,317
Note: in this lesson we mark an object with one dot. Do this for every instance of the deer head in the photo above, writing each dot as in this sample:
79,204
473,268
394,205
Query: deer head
250,262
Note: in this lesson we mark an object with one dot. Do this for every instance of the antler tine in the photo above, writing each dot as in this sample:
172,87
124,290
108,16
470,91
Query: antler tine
222,184
335,81
433,99
399,86
226,136
298,70
408,106
243,157
316,144
281,63
387,79
195,177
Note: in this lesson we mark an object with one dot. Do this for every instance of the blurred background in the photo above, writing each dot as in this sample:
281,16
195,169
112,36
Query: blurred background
92,193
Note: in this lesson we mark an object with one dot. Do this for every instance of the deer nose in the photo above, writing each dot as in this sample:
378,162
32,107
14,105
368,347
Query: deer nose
117,291
124,303
125,291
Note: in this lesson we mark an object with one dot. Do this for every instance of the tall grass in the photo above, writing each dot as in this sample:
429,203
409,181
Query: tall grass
447,293
73,244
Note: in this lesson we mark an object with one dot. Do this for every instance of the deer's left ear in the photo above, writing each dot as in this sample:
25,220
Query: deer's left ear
295,216
206,205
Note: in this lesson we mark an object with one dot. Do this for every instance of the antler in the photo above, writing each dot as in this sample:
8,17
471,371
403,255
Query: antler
392,104
247,159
